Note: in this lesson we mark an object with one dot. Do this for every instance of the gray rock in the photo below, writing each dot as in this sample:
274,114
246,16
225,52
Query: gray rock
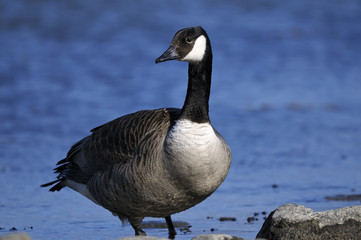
294,221
216,237
16,236
342,197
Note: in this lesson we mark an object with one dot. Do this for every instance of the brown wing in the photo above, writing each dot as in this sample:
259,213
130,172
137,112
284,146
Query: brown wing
116,141
112,143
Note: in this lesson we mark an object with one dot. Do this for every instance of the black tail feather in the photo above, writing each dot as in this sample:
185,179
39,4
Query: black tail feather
57,187
61,168
50,183
65,160
67,169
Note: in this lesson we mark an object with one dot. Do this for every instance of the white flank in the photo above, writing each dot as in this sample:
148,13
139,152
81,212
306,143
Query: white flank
198,50
80,188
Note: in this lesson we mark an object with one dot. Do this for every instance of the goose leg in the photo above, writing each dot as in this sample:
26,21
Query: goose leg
171,231
136,223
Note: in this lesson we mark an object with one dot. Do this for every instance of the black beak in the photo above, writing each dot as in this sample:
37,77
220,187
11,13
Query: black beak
169,54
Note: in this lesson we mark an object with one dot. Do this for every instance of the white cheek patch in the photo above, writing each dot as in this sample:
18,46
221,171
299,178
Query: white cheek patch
198,50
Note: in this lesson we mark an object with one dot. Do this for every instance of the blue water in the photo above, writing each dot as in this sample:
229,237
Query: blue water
286,95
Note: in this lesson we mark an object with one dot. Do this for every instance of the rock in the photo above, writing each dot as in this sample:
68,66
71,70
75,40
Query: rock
227,219
292,221
342,197
16,236
216,237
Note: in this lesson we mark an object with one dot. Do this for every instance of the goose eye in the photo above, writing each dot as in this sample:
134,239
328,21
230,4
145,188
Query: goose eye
189,39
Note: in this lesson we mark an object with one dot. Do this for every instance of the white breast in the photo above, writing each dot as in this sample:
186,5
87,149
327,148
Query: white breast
192,136
197,156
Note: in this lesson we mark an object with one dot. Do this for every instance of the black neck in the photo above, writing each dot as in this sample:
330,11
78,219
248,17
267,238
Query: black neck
195,107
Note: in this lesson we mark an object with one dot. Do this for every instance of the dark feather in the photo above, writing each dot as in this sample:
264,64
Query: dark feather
112,143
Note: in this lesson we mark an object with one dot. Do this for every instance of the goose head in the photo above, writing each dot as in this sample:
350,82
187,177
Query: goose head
189,45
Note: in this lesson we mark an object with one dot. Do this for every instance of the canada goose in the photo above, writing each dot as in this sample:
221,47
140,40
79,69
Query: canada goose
154,163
